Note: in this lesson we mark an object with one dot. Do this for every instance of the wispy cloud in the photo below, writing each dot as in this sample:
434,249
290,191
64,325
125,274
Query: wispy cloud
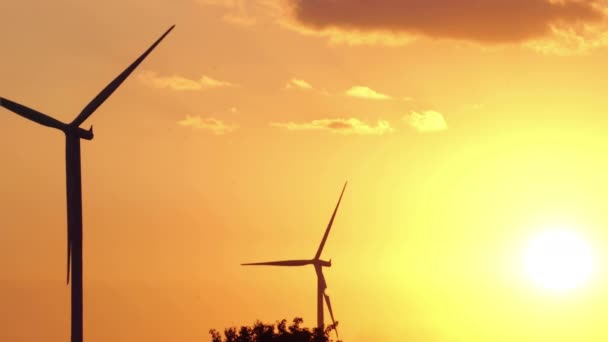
361,92
568,40
240,19
295,83
237,12
337,36
179,83
339,126
366,93
214,125
427,121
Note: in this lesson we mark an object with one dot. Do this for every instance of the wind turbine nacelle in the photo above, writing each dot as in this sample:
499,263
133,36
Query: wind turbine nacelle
85,134
325,263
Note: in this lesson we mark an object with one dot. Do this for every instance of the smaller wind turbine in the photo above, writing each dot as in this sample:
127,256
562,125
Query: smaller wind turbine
318,264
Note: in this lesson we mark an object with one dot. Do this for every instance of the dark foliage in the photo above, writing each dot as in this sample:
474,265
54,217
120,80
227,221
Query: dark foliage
278,332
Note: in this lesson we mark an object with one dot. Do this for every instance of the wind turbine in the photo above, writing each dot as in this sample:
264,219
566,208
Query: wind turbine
73,134
318,264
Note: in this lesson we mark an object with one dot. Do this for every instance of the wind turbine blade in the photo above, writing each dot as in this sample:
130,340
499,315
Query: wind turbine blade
31,114
331,221
110,88
280,263
331,312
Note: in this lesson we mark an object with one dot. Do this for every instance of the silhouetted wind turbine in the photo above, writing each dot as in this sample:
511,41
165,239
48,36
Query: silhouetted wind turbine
318,264
73,134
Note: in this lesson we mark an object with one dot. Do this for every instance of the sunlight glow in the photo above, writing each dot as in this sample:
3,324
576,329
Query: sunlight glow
558,260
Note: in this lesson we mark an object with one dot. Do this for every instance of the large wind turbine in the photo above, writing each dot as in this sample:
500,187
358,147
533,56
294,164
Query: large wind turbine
318,264
73,134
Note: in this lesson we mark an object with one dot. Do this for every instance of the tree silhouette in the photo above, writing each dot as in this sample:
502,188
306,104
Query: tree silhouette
278,332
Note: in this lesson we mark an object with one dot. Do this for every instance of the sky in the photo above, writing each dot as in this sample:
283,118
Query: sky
463,129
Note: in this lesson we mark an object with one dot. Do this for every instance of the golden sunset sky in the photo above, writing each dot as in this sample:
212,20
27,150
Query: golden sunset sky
463,128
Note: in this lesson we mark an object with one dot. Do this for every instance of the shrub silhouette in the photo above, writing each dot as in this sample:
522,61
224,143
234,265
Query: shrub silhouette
280,332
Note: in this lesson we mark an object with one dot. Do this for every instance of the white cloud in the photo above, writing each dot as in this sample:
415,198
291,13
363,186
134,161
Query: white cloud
427,121
214,125
366,93
179,83
340,126
295,83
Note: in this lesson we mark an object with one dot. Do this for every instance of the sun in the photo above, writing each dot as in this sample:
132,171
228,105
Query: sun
558,260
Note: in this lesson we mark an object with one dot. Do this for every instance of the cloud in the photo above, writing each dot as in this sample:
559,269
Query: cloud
179,83
427,121
216,126
572,39
546,25
339,126
240,20
236,11
351,37
295,83
366,93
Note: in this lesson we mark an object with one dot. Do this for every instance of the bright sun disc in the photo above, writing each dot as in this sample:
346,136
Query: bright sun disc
558,260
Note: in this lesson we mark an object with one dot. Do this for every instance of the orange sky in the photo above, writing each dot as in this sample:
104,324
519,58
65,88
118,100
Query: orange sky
230,143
